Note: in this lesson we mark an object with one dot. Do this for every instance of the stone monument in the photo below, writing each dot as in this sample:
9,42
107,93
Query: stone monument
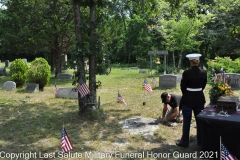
67,93
168,81
9,86
32,87
64,76
3,71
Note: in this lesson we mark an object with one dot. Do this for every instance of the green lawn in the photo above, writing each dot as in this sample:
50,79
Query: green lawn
35,126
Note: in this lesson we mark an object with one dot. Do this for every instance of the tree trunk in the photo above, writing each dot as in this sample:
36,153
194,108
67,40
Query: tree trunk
92,57
57,59
179,62
173,58
80,60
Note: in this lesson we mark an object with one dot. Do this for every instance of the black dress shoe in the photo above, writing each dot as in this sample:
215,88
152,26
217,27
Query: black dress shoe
180,145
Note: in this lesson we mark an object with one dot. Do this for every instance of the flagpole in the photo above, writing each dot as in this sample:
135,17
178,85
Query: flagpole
220,147
144,103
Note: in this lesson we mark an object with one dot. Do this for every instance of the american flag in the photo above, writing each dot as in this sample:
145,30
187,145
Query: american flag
66,143
56,89
225,154
120,99
146,86
82,88
154,81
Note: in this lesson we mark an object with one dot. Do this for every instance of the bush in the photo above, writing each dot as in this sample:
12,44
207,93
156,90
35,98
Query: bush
39,72
229,65
18,70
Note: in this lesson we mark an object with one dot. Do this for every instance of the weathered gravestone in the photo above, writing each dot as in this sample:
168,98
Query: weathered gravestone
168,81
142,71
32,87
179,77
7,63
24,60
64,76
233,80
3,71
67,93
9,86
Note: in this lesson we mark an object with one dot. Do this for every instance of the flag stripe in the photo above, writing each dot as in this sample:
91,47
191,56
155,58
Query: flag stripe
66,143
120,99
146,86
226,155
154,81
82,88
56,89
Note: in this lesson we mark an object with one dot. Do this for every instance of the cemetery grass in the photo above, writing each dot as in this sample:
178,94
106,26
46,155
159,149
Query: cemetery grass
35,125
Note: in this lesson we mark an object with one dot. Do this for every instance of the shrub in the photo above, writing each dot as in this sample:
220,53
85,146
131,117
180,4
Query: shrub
230,66
18,70
39,72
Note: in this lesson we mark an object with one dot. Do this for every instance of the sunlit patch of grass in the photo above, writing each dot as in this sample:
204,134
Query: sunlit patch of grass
36,124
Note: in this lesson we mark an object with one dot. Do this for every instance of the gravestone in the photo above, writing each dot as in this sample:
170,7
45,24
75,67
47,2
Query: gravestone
179,77
67,93
64,76
32,87
7,63
3,71
142,71
124,68
9,86
24,60
168,81
233,80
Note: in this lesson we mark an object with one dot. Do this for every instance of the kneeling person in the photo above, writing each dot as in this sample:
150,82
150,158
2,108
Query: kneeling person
172,111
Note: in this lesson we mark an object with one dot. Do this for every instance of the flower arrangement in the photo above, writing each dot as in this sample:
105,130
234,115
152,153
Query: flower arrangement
219,86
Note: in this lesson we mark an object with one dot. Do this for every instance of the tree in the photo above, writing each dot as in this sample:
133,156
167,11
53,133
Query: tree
38,28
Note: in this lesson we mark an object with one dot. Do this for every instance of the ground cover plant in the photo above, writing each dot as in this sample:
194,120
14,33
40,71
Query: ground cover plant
32,122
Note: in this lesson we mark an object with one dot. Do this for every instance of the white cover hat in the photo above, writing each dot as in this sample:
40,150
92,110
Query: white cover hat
193,56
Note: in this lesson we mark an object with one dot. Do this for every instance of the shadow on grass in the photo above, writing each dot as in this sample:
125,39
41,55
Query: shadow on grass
37,127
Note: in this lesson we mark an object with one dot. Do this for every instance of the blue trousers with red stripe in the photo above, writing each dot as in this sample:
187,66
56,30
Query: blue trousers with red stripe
187,117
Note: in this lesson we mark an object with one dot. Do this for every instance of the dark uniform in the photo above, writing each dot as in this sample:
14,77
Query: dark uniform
193,83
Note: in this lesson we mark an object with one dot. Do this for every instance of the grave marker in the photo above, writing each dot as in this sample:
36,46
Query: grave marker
233,80
32,87
3,71
24,60
64,76
143,71
168,81
9,86
67,93
7,63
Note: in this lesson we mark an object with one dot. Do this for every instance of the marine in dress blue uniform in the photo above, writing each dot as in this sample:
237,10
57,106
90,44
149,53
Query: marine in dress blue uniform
192,85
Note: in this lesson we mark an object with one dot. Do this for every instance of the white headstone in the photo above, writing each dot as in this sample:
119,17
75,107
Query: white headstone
24,60
9,86
67,93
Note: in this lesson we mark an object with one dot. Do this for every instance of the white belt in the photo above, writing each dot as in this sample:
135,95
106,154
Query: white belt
194,89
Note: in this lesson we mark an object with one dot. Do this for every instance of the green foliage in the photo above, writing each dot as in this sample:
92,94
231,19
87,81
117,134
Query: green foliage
18,70
227,63
39,72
